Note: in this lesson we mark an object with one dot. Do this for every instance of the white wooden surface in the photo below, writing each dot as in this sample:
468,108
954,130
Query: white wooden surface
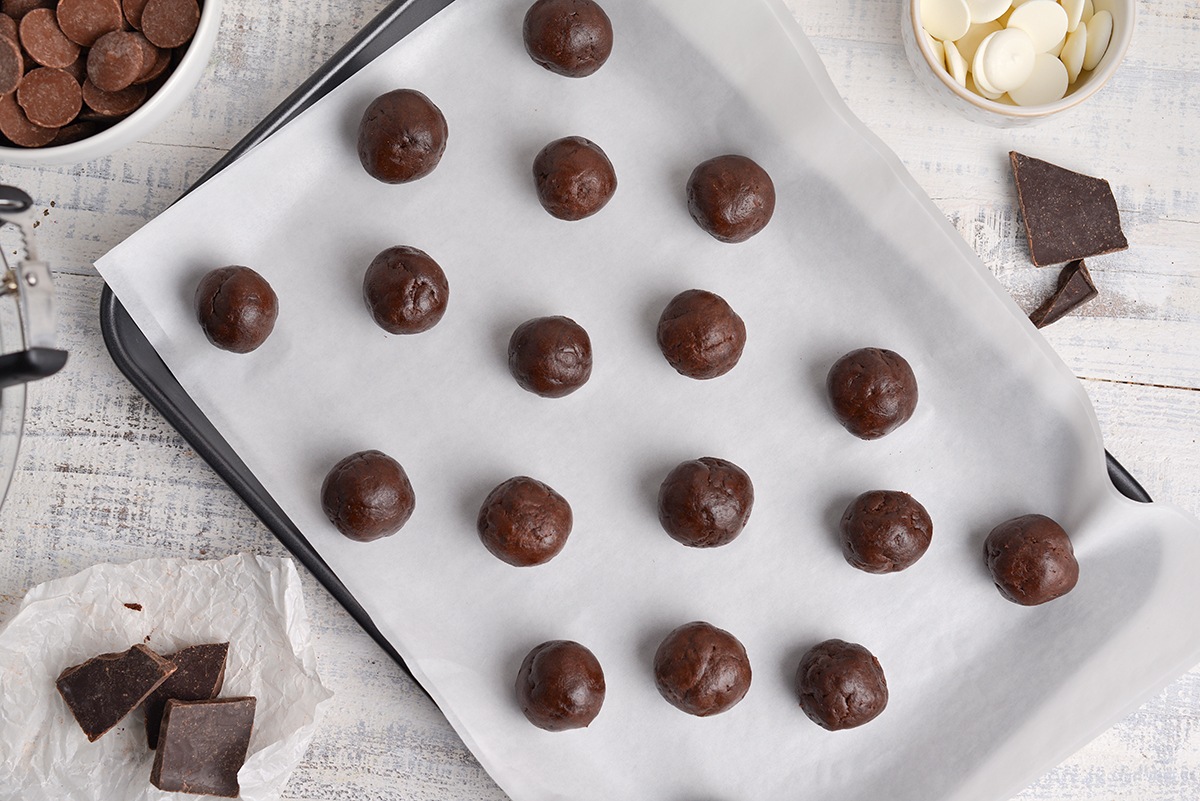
102,477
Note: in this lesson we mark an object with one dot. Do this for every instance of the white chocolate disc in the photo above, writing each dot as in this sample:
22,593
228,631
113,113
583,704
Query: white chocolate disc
987,10
1088,12
975,87
1047,84
1074,9
956,65
1004,60
969,43
946,19
939,52
1072,52
978,70
1099,32
1044,21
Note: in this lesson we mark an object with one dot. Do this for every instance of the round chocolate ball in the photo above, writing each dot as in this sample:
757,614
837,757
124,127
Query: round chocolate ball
574,178
569,37
873,392
1031,560
884,531
550,356
701,669
731,197
405,290
524,522
236,307
401,137
367,495
841,685
560,686
700,335
706,502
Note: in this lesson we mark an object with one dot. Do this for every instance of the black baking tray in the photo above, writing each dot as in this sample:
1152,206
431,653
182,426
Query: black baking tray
142,365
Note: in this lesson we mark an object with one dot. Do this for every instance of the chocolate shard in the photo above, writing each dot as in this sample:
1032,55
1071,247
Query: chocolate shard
1075,288
199,675
1068,216
203,745
106,688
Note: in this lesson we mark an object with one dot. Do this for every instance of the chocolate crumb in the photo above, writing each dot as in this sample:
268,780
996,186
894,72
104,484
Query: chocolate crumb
134,607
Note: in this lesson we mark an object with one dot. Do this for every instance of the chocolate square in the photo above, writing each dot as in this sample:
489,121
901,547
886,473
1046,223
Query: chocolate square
106,688
202,745
1068,216
199,675
1075,288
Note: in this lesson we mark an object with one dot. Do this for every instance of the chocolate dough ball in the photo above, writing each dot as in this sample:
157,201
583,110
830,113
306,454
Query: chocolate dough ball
367,495
883,531
524,522
701,336
560,686
574,178
550,356
731,197
706,502
236,307
873,392
405,290
1031,560
841,685
569,37
401,137
701,669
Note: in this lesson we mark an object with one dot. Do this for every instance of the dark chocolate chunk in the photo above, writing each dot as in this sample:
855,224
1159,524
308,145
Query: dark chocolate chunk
1067,215
199,674
1075,288
202,746
106,688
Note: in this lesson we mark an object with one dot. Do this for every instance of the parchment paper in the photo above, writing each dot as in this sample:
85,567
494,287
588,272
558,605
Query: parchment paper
984,694
253,602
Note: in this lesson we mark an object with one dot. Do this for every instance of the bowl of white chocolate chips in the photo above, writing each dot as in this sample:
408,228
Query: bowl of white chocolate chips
1016,62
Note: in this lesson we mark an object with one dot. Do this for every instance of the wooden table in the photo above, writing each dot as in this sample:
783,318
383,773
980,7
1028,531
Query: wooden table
101,476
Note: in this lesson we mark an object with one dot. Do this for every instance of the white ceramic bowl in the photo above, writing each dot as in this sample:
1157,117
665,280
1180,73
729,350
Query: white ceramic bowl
147,117
934,77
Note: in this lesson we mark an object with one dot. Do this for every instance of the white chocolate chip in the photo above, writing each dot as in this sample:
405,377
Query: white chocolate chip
1072,52
946,19
1047,84
939,52
1004,60
1044,20
956,65
987,10
1099,32
1074,9
969,43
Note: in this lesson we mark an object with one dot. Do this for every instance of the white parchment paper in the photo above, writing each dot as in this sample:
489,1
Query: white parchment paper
984,694
253,602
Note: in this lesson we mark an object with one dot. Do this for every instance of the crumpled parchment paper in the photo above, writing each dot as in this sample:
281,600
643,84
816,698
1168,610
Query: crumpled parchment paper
254,602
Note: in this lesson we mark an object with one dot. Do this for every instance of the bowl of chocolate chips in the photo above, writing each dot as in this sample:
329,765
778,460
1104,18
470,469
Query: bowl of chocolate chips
80,79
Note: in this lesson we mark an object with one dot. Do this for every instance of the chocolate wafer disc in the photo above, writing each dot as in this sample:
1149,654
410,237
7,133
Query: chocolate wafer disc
85,21
113,104
8,27
51,98
12,65
17,127
170,23
133,11
116,61
45,42
19,8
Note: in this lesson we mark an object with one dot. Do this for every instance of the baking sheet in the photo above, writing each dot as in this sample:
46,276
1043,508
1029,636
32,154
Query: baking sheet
984,694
